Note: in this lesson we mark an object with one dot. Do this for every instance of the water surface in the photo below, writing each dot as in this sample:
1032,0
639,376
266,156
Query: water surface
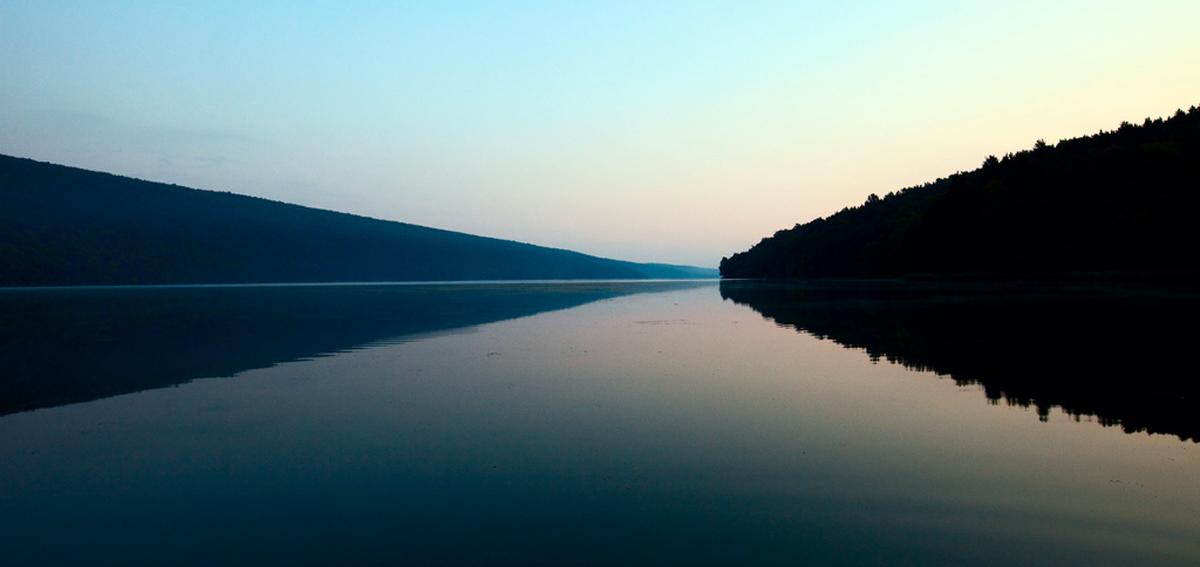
598,422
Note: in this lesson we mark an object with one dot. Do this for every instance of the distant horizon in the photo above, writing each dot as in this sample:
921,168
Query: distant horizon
564,282
672,133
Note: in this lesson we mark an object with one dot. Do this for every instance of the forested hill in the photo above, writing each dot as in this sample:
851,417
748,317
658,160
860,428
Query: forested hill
1119,201
66,226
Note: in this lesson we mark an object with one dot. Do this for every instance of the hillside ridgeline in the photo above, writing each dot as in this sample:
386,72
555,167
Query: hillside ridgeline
66,226
1120,201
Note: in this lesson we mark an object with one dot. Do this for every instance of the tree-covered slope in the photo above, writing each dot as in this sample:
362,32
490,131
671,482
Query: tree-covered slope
62,226
1124,200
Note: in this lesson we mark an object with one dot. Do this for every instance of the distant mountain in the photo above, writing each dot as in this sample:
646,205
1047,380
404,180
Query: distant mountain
1121,201
66,226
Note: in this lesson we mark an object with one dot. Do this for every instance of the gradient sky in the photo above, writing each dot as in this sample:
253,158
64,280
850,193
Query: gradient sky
653,131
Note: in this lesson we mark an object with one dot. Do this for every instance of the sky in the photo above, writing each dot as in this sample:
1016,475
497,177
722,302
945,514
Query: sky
651,131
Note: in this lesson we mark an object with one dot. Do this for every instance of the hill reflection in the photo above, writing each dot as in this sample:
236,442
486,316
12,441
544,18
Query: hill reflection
60,346
1122,356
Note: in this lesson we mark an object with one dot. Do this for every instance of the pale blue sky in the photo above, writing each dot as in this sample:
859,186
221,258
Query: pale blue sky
657,131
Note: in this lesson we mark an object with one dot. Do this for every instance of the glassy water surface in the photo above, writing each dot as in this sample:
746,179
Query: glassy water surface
687,422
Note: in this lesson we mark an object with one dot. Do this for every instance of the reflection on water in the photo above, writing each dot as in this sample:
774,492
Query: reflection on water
1116,354
594,423
70,345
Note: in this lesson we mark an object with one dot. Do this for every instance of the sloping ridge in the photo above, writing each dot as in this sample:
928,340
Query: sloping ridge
66,226
1122,201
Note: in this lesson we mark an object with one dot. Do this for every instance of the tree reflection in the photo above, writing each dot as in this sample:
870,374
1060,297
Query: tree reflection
1120,355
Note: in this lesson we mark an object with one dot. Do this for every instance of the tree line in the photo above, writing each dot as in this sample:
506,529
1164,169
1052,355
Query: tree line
1116,201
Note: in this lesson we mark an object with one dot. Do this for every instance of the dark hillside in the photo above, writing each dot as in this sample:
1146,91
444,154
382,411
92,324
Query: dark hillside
66,226
1119,201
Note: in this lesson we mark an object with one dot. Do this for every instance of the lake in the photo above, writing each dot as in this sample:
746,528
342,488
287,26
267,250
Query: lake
689,422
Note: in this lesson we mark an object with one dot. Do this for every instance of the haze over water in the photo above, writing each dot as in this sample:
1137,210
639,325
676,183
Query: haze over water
655,422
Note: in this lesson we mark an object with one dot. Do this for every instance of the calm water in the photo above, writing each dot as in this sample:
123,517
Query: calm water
688,422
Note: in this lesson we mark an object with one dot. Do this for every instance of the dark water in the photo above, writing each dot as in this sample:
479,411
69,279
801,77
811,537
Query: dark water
686,422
